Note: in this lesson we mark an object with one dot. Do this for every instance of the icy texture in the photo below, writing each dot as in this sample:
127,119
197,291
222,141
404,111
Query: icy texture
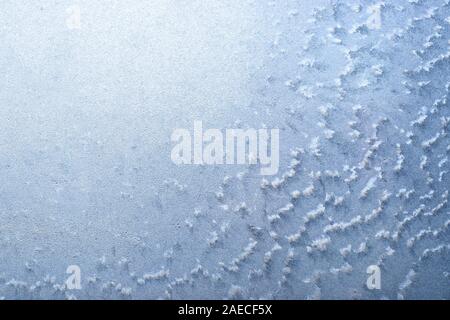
86,177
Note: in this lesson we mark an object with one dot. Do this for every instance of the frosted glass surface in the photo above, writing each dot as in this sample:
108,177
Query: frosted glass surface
91,91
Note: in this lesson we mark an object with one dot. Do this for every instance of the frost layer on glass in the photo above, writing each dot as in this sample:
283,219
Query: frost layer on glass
90,93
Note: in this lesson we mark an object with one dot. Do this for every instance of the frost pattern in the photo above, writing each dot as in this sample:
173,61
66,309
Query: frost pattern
85,149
